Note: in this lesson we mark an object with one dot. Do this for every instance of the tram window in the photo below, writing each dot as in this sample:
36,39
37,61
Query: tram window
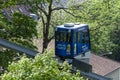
57,36
85,36
78,37
61,36
75,37
68,37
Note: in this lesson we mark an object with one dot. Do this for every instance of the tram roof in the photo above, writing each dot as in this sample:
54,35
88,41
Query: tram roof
75,26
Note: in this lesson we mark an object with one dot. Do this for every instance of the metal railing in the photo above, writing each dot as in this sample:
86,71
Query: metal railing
10,45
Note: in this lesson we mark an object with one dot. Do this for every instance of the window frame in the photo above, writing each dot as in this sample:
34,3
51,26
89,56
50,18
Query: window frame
63,36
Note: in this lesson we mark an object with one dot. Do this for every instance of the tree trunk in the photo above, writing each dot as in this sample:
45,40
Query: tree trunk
46,28
46,33
45,44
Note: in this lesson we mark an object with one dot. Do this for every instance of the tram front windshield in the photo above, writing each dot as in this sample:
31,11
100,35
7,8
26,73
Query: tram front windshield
63,36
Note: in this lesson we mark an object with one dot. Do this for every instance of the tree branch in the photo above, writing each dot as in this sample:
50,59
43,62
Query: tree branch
50,6
95,29
43,21
50,38
70,13
59,8
42,10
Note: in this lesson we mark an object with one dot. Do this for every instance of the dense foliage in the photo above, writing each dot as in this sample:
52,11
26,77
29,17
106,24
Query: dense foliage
103,18
42,67
19,29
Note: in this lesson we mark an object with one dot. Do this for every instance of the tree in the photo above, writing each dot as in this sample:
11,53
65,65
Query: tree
42,67
45,8
102,19
22,28
19,29
115,37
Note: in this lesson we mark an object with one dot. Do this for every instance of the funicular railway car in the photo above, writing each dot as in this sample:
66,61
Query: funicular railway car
72,40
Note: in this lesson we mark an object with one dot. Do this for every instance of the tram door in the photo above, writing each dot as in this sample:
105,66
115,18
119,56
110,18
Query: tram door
63,42
79,49
82,41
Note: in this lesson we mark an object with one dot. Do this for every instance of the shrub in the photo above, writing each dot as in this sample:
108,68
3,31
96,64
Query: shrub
42,67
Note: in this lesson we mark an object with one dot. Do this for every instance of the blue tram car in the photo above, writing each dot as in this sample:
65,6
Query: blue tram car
71,40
